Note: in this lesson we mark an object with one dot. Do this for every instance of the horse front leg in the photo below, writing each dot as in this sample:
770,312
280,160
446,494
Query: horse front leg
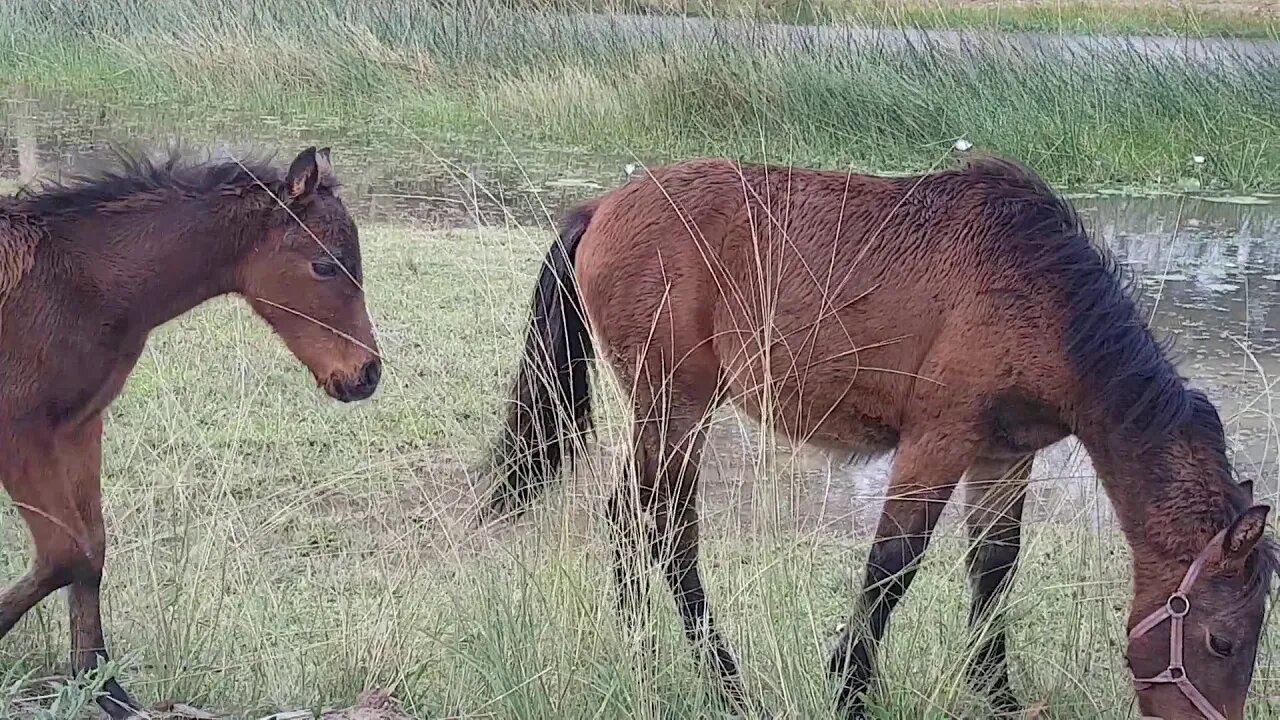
924,474
34,482
84,600
53,479
996,492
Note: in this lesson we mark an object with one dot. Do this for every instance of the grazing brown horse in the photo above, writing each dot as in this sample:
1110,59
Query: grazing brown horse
962,318
88,268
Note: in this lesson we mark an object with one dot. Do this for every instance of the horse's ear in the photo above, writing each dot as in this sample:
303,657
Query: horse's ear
1245,533
304,174
326,168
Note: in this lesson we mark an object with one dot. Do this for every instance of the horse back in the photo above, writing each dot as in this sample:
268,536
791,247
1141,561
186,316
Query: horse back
645,263
850,305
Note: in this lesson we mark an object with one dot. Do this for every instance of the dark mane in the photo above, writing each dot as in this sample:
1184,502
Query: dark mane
1113,350
1205,425
133,176
1107,340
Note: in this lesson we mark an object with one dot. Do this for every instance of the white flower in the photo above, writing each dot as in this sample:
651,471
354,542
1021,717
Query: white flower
1197,159
629,168
963,145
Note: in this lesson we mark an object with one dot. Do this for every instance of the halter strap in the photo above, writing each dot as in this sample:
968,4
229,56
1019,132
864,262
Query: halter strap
1174,610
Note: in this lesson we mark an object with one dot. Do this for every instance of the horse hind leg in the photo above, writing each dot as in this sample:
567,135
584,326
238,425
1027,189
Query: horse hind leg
631,533
675,549
657,507
995,493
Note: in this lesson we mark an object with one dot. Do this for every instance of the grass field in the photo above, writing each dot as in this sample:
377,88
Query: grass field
1197,18
273,550
473,69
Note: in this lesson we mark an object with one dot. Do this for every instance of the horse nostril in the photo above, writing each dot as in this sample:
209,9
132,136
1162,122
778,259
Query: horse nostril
371,373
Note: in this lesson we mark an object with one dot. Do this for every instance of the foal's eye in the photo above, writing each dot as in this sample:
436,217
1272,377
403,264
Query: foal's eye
1219,646
324,269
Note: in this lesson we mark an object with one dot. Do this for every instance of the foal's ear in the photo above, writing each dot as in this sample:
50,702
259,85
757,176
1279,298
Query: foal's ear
1247,487
303,175
1245,533
326,167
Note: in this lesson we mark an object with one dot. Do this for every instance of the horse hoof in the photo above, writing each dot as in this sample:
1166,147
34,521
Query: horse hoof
1005,705
117,704
736,702
181,711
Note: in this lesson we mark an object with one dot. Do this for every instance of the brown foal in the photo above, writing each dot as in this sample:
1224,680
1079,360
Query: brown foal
88,268
962,319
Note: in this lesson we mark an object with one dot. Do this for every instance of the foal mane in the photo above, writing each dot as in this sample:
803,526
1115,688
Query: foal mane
1108,341
19,236
133,179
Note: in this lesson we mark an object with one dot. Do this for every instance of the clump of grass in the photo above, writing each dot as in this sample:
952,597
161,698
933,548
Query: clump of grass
828,97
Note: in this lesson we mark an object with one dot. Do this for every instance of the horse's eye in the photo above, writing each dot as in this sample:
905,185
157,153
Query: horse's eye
324,269
1219,646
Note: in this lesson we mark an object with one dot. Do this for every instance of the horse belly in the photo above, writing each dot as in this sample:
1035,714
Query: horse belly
814,393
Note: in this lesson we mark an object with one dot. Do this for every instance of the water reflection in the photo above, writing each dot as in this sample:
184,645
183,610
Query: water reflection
1067,47
437,181
1210,270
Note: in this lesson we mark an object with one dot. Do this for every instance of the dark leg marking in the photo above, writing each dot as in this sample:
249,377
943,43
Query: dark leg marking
996,494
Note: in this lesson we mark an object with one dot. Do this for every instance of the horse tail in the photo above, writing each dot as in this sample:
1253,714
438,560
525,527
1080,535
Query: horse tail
549,410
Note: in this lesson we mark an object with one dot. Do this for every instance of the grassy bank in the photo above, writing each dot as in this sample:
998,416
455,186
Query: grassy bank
271,549
472,68
1139,17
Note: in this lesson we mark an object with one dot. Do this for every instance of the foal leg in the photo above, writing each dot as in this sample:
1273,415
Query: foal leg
88,646
925,472
995,492
25,468
53,480
23,594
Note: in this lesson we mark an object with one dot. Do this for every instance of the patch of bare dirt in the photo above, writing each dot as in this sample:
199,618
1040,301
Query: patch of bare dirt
374,704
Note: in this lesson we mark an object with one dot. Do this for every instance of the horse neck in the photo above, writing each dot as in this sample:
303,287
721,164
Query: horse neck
185,254
1171,494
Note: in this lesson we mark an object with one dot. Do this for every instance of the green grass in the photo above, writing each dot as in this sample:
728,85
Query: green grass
473,69
272,549
1157,17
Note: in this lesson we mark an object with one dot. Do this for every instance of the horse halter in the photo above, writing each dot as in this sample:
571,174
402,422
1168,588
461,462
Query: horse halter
1174,610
